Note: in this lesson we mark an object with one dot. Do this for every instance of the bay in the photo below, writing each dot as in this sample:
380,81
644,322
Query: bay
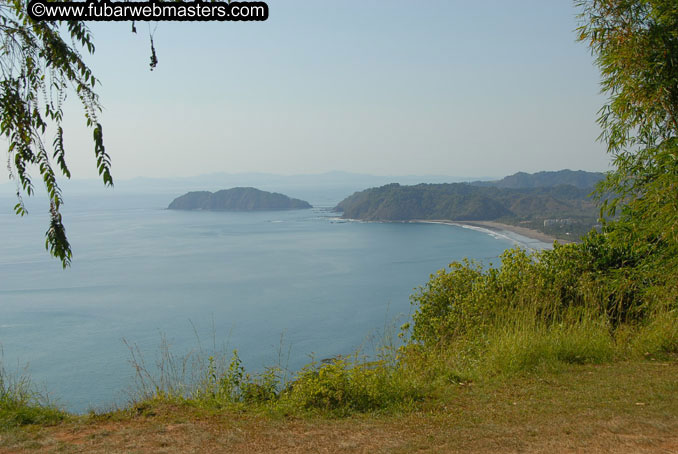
236,280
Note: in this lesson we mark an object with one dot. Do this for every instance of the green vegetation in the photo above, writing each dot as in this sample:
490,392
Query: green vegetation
636,49
338,386
39,62
555,209
237,199
520,331
612,297
21,404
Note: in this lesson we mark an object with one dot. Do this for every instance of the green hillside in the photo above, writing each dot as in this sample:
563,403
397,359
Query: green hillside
556,210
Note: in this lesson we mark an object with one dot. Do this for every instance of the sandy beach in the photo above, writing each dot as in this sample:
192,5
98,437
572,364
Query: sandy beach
530,238
530,233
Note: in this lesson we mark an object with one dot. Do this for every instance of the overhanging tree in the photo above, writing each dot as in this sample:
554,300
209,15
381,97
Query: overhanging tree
635,43
40,63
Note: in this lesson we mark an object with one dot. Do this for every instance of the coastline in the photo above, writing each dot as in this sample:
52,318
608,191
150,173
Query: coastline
523,236
529,238
530,233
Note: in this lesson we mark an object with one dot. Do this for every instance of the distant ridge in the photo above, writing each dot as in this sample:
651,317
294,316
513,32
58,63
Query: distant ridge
577,178
237,199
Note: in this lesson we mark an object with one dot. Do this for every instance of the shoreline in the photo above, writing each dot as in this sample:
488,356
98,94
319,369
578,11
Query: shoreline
530,238
524,231
526,237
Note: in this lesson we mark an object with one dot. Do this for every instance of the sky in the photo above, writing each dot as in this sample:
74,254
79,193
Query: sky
385,87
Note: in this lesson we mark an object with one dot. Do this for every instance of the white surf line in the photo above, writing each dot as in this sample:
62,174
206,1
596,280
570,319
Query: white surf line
531,244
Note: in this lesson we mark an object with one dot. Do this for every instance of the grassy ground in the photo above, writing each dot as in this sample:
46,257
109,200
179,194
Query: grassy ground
624,407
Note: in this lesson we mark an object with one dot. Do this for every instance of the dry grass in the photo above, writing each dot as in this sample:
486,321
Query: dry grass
613,408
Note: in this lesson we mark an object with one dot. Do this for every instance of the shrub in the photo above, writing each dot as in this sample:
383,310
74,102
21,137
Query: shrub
347,384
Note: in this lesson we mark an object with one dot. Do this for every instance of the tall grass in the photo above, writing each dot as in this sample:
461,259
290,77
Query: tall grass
217,379
22,404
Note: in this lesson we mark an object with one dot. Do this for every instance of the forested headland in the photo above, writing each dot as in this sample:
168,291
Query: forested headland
557,203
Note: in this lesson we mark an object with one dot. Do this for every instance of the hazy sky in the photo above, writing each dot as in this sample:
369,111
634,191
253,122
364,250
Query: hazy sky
463,88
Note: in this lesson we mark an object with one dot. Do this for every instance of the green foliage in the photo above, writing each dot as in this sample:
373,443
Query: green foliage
615,294
352,384
40,63
21,404
234,385
521,345
339,386
577,303
619,282
451,303
636,47
657,338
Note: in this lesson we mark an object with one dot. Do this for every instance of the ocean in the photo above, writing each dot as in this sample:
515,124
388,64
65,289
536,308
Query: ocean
304,280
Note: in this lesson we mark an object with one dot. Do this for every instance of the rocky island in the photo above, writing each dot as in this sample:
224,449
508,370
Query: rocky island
237,199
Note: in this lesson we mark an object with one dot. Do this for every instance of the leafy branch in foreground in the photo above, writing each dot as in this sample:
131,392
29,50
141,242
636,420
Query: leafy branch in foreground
636,48
38,68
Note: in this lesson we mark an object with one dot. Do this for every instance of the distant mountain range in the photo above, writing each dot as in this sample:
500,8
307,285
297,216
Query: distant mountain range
237,199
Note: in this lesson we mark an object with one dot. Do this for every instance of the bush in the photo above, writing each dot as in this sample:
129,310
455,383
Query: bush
234,385
348,384
577,303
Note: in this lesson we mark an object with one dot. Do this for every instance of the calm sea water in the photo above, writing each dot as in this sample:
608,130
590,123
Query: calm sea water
140,271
